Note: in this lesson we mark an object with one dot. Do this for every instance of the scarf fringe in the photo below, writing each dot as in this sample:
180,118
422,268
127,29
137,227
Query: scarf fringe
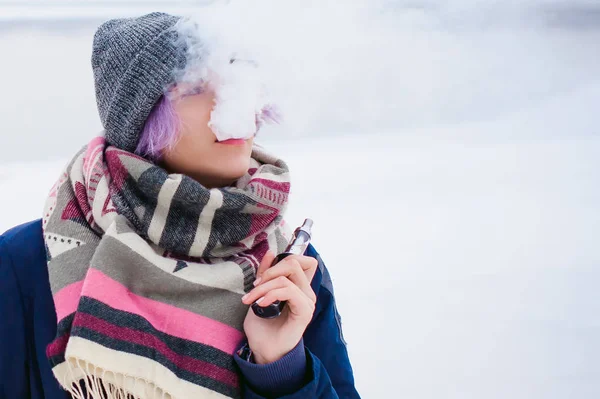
83,380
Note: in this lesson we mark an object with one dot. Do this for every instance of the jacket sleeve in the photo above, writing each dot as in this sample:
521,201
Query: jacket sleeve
327,372
13,350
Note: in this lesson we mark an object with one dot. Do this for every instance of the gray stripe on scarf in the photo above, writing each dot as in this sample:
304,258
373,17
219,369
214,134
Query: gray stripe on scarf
215,303
137,199
78,260
230,227
182,221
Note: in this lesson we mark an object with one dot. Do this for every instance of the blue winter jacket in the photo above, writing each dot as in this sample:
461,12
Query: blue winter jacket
317,368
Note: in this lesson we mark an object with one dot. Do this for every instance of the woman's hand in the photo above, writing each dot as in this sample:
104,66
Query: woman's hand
289,280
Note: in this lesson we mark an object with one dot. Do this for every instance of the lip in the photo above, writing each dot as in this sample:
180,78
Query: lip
233,142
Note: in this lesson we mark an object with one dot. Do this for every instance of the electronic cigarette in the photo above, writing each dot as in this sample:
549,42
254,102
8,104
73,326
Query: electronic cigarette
297,246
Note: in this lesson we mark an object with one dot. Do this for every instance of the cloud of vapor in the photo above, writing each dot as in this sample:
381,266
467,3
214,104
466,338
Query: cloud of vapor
216,64
362,65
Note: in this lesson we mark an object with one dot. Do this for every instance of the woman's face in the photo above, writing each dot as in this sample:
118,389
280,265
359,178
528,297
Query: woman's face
197,153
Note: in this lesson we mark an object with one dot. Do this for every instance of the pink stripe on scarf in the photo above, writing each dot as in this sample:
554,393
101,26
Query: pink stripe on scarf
95,146
66,300
275,185
166,318
141,338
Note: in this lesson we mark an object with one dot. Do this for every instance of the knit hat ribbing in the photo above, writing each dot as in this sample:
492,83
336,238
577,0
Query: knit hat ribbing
133,60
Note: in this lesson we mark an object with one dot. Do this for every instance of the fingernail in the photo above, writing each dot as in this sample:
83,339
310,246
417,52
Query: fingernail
260,300
257,281
245,297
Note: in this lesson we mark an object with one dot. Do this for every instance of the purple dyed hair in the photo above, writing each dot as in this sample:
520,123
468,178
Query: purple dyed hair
161,129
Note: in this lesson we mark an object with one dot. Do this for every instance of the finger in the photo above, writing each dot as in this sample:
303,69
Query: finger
308,264
290,268
262,289
265,263
297,302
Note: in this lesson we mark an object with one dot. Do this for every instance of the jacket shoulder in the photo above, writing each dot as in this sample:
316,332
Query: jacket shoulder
23,247
322,285
15,329
322,278
324,337
23,236
29,308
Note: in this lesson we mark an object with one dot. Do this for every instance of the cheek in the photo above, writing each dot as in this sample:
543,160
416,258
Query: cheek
194,114
191,152
192,149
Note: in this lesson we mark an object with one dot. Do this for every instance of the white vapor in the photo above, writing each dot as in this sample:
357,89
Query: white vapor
384,65
218,65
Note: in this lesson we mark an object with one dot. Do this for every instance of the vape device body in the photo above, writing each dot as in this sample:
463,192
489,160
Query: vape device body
297,246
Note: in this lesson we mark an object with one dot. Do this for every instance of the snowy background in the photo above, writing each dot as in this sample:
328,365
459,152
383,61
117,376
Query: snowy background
448,151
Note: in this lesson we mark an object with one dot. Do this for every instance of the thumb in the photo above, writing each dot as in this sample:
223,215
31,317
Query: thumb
265,263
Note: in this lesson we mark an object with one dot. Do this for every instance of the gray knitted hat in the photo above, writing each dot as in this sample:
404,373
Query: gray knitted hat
133,61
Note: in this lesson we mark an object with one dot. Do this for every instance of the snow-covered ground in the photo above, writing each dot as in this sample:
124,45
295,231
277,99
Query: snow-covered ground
449,154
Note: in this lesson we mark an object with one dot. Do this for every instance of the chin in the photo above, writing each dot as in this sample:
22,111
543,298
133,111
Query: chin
234,172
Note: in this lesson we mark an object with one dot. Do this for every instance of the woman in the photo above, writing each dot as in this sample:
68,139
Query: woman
159,235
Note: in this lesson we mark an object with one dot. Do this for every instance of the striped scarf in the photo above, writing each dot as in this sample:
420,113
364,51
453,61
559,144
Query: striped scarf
147,271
